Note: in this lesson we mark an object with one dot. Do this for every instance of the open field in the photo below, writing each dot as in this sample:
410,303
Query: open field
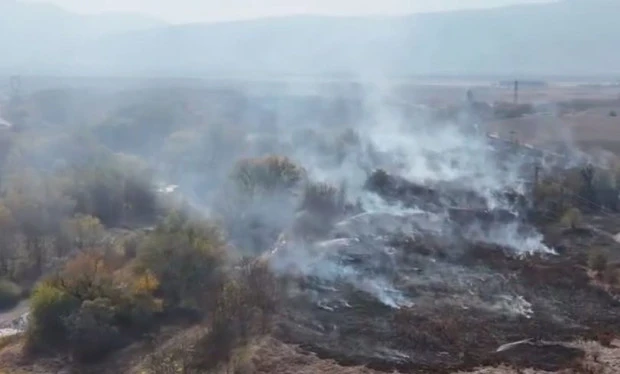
397,240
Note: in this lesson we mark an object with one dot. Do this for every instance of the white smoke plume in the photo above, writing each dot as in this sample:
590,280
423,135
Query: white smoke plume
416,148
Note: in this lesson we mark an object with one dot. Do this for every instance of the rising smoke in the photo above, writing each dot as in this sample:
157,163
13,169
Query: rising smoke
356,250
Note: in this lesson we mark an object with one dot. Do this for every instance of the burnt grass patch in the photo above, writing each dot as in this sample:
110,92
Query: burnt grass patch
439,338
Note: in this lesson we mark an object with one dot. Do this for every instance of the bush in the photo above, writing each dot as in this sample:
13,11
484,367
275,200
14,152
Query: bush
91,330
185,259
572,218
113,189
85,311
10,294
245,305
322,198
263,290
49,309
597,260
268,174
174,360
86,277
83,231
176,356
130,244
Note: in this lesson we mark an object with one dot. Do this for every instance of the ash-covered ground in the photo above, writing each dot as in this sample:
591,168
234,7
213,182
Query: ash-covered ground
426,288
416,245
431,261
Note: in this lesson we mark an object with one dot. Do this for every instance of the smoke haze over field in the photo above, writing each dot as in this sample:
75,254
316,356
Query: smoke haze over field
443,155
374,184
442,178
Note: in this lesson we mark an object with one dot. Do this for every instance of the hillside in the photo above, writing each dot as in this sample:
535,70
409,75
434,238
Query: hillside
537,39
39,31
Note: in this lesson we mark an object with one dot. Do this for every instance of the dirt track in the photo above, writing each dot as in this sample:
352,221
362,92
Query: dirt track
9,317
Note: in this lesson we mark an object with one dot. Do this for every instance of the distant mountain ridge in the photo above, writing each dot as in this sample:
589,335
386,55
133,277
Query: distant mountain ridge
566,38
34,32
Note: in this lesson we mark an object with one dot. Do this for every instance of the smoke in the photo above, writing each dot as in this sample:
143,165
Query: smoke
519,238
356,248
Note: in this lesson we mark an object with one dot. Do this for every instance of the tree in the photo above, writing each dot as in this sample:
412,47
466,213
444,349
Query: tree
7,235
36,204
185,258
597,260
268,174
84,231
87,309
572,218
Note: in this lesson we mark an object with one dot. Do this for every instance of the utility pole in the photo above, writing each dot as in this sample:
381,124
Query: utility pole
534,190
513,137
16,86
16,112
516,92
470,97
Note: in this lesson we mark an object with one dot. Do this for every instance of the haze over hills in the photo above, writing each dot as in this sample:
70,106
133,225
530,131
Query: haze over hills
33,33
565,38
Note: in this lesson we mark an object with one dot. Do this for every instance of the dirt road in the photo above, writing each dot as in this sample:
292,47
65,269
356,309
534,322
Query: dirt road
13,321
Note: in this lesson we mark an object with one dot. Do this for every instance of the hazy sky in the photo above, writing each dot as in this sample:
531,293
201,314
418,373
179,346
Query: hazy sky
178,11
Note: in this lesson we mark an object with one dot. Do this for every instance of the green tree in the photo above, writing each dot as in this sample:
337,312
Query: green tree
186,258
572,218
268,174
83,231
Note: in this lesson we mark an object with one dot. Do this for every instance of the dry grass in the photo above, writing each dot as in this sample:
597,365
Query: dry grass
274,357
7,341
264,356
598,360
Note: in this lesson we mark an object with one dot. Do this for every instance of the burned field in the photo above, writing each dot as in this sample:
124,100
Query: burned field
445,286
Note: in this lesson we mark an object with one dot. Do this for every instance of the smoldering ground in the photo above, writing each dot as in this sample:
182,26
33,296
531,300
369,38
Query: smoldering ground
457,164
398,227
393,231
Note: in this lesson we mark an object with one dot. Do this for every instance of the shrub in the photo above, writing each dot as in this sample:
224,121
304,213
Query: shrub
83,231
177,356
130,244
245,305
136,313
231,325
10,294
91,330
86,277
322,198
113,189
266,174
597,260
185,259
84,310
49,308
572,218
173,361
263,290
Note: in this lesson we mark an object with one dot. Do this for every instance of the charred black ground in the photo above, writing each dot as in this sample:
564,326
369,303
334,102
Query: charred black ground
449,300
